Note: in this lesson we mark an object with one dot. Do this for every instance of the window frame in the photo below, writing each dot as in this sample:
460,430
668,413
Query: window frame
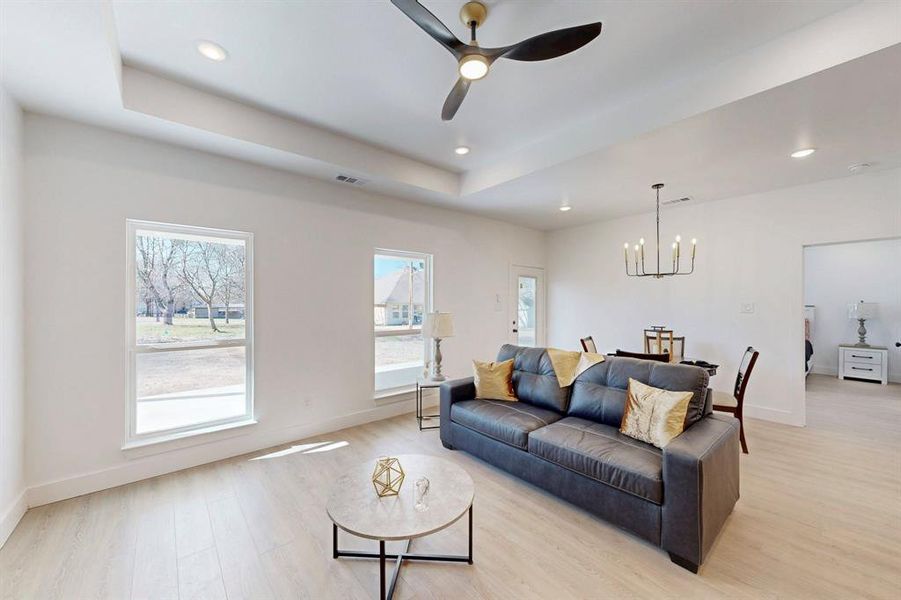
133,349
428,284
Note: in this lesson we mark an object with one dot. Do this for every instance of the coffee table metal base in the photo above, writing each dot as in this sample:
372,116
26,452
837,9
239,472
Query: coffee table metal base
386,592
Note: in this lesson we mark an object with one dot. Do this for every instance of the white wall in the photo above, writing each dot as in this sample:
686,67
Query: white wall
313,292
12,350
836,275
750,251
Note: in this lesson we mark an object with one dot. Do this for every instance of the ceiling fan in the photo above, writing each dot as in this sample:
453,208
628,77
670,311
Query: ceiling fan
475,61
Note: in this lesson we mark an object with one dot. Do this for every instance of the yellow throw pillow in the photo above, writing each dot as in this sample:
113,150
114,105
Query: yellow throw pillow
653,415
494,380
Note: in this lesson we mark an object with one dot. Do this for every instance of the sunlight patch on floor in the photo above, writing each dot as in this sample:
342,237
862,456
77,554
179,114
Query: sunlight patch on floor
303,449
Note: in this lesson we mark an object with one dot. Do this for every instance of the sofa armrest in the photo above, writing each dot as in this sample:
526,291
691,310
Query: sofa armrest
700,487
450,392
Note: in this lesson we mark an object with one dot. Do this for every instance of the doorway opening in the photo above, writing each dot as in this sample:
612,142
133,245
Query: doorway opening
852,326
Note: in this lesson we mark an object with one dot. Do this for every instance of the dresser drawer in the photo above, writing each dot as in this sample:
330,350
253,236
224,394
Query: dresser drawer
862,356
861,370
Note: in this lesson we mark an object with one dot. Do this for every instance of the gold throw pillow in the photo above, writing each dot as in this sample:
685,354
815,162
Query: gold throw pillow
494,380
653,415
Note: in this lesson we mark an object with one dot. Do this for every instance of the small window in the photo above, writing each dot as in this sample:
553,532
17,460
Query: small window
403,294
190,350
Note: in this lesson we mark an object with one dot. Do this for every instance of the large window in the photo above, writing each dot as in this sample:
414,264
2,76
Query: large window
403,294
190,352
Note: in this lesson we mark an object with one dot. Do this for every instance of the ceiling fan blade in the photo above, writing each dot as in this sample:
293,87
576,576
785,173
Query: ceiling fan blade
431,25
454,99
547,45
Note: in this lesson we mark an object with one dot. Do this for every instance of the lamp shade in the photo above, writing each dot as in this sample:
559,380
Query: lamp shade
862,310
438,325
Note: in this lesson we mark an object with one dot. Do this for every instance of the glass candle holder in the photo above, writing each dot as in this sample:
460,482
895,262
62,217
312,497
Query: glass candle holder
421,493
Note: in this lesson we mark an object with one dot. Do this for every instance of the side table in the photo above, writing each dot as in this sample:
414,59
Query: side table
425,384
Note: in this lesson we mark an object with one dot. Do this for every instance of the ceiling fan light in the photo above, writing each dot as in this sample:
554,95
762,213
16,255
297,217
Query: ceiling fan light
473,66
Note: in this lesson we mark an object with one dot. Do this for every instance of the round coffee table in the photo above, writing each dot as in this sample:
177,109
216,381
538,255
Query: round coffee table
354,507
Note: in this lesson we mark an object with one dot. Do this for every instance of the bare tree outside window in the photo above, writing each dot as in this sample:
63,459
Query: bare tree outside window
183,283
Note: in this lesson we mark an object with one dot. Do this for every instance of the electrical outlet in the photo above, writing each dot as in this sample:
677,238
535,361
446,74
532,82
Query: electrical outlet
747,308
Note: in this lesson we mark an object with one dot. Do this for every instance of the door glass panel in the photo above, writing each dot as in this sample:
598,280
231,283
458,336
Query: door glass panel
526,314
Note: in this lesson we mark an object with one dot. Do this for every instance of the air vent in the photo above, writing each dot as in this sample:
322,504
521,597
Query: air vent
350,179
675,201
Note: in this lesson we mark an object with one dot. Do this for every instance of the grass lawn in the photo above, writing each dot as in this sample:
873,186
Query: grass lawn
186,329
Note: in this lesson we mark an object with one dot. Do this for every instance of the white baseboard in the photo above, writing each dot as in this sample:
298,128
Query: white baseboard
12,515
160,464
825,370
776,415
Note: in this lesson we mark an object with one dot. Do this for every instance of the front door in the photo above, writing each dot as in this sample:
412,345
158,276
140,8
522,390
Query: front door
527,306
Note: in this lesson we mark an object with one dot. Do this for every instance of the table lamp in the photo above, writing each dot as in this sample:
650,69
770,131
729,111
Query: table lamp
860,312
437,326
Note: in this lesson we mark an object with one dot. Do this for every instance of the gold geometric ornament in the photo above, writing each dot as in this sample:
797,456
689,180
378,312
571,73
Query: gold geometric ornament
387,477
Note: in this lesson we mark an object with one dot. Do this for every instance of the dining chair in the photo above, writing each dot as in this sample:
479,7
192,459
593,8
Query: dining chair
658,341
588,345
734,403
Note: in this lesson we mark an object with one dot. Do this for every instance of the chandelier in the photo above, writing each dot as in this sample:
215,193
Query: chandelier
638,258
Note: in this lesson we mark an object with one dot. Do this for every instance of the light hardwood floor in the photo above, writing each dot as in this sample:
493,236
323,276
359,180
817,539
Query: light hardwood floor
819,517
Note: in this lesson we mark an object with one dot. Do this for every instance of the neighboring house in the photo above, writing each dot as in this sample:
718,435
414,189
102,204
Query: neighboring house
200,311
393,299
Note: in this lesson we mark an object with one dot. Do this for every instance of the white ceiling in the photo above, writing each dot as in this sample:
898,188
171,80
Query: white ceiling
851,113
365,70
707,96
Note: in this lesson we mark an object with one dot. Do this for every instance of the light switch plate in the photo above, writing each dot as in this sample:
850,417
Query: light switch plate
747,307
498,303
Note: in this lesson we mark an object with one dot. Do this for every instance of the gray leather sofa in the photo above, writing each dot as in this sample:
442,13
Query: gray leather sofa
567,441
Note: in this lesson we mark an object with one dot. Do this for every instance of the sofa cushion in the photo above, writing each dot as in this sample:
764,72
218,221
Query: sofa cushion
602,453
533,377
508,422
599,394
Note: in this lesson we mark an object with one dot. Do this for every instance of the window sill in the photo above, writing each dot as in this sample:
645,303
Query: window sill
172,437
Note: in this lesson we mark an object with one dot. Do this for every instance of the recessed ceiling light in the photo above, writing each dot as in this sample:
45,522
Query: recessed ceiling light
859,167
565,208
461,150
803,153
212,50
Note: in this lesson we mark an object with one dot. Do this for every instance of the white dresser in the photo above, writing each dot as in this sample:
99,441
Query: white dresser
863,363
